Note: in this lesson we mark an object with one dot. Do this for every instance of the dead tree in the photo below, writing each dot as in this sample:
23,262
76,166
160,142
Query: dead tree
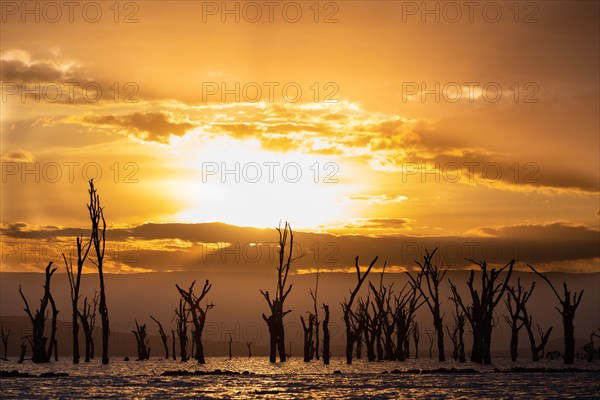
42,347
230,352
23,347
87,316
326,337
193,342
588,348
182,315
416,335
515,302
198,313
567,311
98,240
359,325
407,302
74,284
173,344
349,315
141,338
372,330
430,338
383,314
433,275
276,305
5,336
249,346
481,311
527,321
163,337
316,321
457,335
308,337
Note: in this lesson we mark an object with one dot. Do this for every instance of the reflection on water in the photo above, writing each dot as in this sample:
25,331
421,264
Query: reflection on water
294,379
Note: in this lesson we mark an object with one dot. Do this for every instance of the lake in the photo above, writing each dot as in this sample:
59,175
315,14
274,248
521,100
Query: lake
296,379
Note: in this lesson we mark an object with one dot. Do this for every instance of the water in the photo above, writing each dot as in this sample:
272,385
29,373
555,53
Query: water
296,380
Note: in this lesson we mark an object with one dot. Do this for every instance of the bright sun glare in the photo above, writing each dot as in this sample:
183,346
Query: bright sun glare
247,186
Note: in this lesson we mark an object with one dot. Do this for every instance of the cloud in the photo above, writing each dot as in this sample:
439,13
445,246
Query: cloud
380,199
151,126
18,156
218,247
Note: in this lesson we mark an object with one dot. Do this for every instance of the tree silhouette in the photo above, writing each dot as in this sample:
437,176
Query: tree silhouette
407,302
198,313
182,314
588,348
458,332
87,316
433,275
74,284
163,337
173,344
481,312
308,337
276,305
316,321
23,347
326,337
515,303
430,339
141,338
416,336
42,347
99,241
349,316
567,311
5,337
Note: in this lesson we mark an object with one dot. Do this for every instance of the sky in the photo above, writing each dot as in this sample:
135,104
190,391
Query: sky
375,128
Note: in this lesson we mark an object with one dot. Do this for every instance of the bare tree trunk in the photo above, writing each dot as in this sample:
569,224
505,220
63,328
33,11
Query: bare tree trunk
74,284
87,316
515,303
5,337
347,309
316,314
433,275
99,241
308,337
42,347
163,337
276,305
173,343
430,337
416,335
326,337
567,311
23,352
198,314
141,338
182,316
481,312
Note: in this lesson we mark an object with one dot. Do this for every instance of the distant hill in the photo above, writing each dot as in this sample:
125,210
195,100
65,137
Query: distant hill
239,306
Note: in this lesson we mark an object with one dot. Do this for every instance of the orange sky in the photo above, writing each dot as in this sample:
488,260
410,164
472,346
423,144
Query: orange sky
376,155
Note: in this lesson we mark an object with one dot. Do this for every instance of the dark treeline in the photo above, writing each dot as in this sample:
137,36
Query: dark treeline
380,324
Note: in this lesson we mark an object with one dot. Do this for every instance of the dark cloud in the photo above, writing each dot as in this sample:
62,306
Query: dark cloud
222,247
19,71
152,126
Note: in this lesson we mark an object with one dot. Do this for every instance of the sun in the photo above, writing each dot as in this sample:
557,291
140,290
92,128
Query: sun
240,183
